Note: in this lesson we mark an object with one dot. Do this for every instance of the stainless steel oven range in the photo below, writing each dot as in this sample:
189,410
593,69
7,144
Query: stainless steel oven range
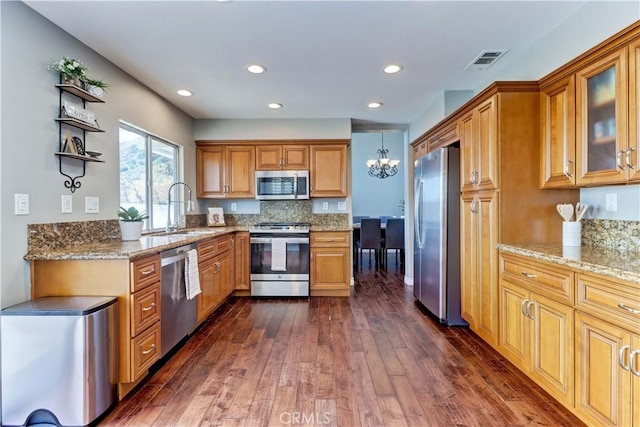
279,259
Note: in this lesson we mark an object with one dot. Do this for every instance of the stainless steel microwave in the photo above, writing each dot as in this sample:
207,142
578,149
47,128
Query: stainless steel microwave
282,185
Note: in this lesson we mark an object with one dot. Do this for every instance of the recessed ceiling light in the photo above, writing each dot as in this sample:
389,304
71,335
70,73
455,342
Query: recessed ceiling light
374,104
392,68
256,69
274,105
184,92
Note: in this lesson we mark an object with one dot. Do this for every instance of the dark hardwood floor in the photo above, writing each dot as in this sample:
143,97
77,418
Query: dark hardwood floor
374,359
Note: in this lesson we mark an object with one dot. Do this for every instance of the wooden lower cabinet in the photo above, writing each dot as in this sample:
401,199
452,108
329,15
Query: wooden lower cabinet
242,261
330,263
607,393
479,263
536,335
216,274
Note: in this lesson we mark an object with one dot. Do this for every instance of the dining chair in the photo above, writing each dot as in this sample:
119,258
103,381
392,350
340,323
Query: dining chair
384,218
394,239
370,238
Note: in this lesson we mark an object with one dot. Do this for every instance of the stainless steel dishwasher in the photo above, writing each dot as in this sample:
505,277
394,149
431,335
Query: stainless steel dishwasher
179,315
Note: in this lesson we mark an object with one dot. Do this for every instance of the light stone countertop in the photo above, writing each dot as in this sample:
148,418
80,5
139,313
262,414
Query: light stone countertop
608,262
149,244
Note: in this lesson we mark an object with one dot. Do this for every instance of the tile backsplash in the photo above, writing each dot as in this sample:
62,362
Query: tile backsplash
611,234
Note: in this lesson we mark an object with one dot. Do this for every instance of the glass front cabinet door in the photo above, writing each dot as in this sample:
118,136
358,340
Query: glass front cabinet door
601,125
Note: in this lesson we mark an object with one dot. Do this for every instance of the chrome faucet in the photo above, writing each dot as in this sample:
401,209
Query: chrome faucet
170,226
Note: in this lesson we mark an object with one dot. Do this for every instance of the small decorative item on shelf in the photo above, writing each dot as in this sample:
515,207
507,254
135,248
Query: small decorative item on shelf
215,217
131,223
71,71
95,87
75,111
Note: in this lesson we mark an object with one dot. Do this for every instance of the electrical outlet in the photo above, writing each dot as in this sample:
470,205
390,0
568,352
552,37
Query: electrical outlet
67,204
234,206
91,204
22,204
342,206
325,206
611,202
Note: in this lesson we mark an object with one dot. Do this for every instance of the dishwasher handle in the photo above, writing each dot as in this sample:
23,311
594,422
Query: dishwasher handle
174,255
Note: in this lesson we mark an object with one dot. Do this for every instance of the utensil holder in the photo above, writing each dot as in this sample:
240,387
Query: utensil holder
571,233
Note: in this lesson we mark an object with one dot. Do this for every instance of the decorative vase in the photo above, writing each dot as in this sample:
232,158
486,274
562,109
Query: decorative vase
131,230
68,80
95,91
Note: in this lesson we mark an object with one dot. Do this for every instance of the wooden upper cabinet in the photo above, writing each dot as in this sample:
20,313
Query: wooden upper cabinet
558,133
631,155
444,135
478,138
329,170
282,157
225,171
601,120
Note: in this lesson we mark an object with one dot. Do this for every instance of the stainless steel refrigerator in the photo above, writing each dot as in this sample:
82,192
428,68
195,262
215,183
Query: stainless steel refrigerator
436,278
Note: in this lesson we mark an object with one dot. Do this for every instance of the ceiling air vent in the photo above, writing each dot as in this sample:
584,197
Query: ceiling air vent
486,59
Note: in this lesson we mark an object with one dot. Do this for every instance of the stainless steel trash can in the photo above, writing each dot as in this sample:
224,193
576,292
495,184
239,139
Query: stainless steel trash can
59,354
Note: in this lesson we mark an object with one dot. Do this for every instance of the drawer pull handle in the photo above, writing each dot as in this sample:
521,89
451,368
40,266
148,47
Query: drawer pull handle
632,362
621,357
148,272
629,309
529,275
151,307
151,349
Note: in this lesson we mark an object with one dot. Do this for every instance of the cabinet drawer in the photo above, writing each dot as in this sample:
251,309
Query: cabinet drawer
212,247
615,301
145,350
546,279
329,239
145,307
145,272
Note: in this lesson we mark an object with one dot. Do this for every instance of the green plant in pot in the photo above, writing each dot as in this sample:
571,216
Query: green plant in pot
131,222
71,70
95,87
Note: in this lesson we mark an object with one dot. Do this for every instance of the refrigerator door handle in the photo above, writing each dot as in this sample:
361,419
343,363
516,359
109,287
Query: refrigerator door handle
417,220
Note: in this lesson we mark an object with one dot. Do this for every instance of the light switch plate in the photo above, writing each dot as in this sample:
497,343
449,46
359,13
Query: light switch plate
234,206
325,206
67,204
611,202
22,204
91,204
342,206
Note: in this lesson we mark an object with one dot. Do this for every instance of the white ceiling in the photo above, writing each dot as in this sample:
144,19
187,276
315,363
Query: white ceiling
324,58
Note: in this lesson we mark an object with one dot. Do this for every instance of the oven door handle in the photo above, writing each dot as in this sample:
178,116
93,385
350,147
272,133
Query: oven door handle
269,240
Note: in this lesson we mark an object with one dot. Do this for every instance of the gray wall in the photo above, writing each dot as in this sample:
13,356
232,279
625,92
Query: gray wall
374,196
30,135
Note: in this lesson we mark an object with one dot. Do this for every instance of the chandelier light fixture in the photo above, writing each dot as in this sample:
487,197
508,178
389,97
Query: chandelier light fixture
383,167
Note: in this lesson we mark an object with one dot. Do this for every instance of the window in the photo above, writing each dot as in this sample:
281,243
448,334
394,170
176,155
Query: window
148,167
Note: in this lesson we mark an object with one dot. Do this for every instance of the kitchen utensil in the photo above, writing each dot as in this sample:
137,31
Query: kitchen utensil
581,209
565,210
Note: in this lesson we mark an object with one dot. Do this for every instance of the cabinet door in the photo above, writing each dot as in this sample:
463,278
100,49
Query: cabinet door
242,262
330,269
224,276
635,381
328,171
210,171
487,144
486,238
296,157
268,157
467,152
552,343
514,325
601,113
207,298
602,385
240,168
468,255
631,156
558,133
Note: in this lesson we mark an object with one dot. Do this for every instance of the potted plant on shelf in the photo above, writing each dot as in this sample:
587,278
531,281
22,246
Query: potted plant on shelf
95,87
71,71
131,223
